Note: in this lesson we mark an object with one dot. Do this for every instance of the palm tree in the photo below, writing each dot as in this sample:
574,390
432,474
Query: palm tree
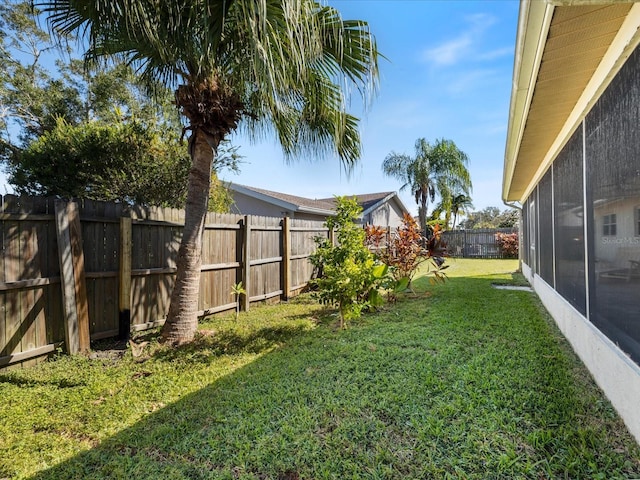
440,169
270,66
460,204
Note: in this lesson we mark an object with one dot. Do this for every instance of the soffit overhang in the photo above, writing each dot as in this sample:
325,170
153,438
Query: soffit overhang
567,51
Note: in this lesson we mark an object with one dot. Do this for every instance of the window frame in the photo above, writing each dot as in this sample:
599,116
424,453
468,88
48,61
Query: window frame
610,225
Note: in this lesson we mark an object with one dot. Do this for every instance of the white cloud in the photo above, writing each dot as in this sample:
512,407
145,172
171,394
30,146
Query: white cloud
497,53
471,80
450,52
465,46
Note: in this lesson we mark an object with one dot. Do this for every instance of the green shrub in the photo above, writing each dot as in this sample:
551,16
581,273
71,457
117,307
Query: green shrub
349,275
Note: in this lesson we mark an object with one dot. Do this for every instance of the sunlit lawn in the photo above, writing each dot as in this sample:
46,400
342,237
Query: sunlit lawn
460,381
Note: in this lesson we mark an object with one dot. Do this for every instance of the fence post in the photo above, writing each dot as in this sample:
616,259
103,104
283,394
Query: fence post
464,243
74,290
246,274
124,294
286,257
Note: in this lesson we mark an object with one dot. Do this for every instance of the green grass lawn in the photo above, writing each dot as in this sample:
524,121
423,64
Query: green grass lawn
460,381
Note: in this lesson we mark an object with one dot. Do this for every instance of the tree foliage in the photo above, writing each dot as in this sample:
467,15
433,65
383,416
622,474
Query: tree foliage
457,205
435,169
491,217
123,161
98,133
348,271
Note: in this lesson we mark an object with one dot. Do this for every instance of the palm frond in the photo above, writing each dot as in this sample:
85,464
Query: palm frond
290,63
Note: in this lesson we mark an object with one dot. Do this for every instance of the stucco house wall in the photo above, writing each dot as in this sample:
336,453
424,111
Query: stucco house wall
245,205
389,214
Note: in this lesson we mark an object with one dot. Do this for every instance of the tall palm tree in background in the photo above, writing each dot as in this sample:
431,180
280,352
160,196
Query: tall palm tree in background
455,204
440,169
271,66
460,204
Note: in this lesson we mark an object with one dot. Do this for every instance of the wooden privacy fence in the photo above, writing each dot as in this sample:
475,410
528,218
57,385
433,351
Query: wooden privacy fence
71,272
475,243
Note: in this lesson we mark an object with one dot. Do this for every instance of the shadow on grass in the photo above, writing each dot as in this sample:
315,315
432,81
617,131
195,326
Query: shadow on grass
14,379
213,433
211,344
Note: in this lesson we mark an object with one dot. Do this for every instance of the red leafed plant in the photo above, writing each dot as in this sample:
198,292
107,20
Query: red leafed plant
508,244
405,249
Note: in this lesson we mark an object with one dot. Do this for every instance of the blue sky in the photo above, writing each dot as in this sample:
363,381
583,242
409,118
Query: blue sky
448,75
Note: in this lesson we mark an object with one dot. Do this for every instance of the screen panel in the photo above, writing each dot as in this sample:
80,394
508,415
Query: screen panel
613,175
525,232
568,205
545,222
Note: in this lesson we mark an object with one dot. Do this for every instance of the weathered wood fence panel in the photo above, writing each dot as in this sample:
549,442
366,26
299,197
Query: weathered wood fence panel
303,233
130,257
475,243
221,262
265,258
30,291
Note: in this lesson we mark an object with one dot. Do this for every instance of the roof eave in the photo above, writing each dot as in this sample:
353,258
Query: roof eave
314,210
378,203
265,198
533,27
533,32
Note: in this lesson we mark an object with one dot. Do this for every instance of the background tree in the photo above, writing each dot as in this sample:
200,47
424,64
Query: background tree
454,205
439,169
279,65
492,217
121,161
460,204
93,133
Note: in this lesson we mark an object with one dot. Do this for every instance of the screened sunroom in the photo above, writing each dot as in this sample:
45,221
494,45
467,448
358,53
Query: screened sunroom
573,164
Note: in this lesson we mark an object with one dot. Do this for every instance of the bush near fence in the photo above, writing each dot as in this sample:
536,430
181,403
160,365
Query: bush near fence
476,243
74,272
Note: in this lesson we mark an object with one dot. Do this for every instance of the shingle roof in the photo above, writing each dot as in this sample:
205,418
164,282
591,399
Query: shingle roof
325,204
366,200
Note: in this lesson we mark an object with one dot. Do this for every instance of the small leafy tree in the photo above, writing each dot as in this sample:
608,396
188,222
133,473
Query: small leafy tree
350,274
236,291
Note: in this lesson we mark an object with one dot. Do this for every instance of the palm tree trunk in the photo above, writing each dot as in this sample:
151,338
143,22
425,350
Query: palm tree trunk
182,319
422,216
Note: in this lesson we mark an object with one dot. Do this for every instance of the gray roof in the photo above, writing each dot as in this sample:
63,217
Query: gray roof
368,201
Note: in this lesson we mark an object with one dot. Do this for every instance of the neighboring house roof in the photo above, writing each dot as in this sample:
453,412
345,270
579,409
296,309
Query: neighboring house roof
324,206
567,52
370,201
288,202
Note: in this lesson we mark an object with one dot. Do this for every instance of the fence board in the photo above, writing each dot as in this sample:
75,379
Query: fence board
13,318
